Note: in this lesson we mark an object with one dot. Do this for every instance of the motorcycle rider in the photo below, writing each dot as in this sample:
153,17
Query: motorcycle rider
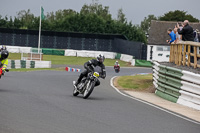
89,67
4,61
116,64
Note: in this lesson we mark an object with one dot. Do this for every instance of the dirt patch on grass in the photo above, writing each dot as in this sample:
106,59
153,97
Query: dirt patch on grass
150,89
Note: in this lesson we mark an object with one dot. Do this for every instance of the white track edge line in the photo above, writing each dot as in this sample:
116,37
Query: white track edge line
155,106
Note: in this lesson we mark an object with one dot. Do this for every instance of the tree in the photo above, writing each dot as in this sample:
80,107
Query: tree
145,24
26,17
96,8
10,23
3,22
178,15
121,16
17,23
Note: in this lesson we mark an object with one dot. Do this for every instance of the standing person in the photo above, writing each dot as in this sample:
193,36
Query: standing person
196,35
178,36
187,34
172,36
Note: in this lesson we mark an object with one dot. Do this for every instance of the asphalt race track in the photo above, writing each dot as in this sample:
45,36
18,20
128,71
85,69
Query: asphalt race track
42,102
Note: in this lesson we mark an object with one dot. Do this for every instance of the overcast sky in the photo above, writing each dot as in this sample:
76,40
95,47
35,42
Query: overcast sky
135,10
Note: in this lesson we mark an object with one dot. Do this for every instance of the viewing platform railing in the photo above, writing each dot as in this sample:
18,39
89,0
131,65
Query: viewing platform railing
180,53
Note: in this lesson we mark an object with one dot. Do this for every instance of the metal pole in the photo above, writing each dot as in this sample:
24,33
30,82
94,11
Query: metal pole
39,30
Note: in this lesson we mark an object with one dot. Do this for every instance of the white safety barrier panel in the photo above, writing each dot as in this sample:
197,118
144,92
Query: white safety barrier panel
18,49
84,53
70,52
133,62
189,99
127,58
94,54
192,77
109,55
42,64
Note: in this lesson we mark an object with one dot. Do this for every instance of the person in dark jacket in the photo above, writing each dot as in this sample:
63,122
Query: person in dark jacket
187,33
89,67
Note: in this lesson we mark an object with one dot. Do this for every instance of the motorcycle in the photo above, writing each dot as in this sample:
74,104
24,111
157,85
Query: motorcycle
117,68
87,84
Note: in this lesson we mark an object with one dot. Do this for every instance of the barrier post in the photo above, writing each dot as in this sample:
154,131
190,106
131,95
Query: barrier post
195,57
188,56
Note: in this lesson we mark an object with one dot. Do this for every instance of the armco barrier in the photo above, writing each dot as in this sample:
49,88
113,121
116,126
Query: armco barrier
178,86
15,64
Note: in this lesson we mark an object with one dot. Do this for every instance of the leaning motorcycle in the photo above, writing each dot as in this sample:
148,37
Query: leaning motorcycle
87,84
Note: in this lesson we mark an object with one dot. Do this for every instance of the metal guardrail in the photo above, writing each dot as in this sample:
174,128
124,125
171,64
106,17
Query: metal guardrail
176,85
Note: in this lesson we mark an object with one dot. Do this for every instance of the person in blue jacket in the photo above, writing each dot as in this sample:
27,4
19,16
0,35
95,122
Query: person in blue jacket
172,36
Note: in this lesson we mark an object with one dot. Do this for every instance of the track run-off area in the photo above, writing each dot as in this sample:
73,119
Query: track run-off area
42,102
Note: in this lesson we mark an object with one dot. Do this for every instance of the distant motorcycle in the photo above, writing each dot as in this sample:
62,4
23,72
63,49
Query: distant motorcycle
87,84
117,68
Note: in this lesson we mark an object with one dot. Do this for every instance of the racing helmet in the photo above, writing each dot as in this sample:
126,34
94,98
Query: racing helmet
4,54
100,58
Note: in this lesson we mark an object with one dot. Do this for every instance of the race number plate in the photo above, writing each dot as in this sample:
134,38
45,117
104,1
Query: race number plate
96,74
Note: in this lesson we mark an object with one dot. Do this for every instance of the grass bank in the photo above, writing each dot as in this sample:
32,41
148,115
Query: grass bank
69,60
137,82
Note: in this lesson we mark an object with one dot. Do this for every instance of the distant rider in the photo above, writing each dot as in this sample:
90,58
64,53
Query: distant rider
117,65
4,61
89,67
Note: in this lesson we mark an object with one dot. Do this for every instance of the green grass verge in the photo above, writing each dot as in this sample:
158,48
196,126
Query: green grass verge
14,56
138,82
69,60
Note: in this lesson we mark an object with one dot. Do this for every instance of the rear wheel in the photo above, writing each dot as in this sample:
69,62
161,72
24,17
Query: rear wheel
89,89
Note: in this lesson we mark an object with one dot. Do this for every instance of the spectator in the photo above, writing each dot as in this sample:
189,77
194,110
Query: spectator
178,36
186,32
187,35
172,36
196,35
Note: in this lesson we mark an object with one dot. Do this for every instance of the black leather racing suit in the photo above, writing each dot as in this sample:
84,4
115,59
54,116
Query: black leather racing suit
88,67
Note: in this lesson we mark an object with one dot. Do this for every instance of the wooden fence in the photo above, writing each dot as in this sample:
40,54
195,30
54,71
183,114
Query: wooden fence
180,53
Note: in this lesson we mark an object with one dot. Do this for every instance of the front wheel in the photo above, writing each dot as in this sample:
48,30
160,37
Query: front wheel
75,92
89,89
